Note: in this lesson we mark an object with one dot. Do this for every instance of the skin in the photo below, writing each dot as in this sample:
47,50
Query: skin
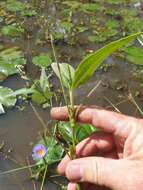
112,158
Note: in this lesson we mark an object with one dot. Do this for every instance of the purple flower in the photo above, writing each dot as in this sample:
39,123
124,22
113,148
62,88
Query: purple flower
39,151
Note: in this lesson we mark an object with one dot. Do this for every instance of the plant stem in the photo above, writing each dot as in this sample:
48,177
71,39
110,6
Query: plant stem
58,65
44,177
18,169
73,126
46,131
72,123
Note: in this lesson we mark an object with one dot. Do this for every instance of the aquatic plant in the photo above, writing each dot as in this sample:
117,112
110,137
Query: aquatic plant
71,79
62,138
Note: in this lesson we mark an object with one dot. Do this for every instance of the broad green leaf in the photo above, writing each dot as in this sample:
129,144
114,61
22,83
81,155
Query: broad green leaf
65,131
134,55
42,60
41,94
41,97
82,131
5,97
67,73
88,66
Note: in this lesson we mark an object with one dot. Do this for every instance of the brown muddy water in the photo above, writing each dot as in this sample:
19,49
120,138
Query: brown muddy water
19,129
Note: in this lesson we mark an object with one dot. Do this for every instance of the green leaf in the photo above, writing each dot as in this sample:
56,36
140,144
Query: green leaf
6,98
22,91
66,131
134,55
67,73
13,30
10,59
42,60
42,93
28,12
14,5
72,4
41,97
90,7
44,83
82,131
112,24
88,66
115,2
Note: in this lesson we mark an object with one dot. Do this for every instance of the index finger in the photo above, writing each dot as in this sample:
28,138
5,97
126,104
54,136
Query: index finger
107,121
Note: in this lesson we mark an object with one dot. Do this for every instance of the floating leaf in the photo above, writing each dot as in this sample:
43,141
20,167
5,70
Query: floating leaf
14,5
72,4
67,73
22,91
90,7
42,60
5,97
28,12
10,59
88,66
13,30
115,2
112,24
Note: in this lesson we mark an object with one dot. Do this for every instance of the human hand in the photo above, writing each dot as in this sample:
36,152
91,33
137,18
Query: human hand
120,165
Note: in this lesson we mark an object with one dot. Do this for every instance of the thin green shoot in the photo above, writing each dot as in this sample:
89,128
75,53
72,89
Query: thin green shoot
33,182
18,169
40,120
44,177
61,79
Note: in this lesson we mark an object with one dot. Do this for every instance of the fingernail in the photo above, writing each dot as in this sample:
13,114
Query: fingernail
54,110
74,172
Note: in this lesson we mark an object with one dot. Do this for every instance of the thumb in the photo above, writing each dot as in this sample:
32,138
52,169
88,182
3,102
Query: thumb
96,170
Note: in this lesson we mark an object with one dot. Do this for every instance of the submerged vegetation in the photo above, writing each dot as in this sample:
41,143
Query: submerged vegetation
36,41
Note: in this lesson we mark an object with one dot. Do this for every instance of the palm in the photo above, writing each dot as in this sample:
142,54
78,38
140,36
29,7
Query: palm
112,157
